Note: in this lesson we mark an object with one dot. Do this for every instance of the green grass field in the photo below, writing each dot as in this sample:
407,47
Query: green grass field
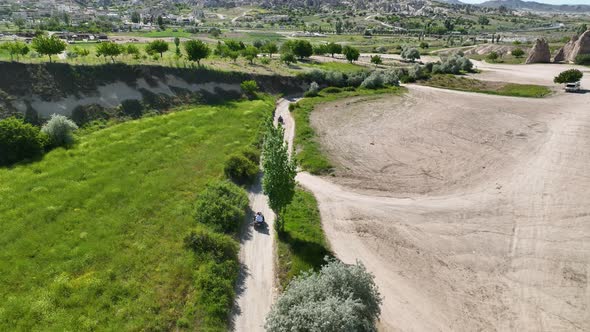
343,67
496,88
92,237
302,246
310,156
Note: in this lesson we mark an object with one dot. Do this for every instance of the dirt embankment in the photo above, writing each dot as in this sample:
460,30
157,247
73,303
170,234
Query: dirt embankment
61,88
471,210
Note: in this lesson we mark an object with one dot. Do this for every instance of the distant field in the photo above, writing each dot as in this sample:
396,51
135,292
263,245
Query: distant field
92,237
496,88
336,66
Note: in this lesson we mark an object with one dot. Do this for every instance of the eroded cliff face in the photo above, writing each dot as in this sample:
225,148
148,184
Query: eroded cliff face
40,90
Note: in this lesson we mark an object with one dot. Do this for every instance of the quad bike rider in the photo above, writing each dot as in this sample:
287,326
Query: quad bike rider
258,219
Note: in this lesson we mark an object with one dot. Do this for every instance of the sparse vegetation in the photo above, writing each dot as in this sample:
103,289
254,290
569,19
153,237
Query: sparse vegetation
473,85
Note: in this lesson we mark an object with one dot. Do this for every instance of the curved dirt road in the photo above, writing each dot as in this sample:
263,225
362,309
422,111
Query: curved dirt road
256,287
472,211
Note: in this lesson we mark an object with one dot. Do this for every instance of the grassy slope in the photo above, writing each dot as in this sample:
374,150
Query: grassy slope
472,85
310,155
92,237
302,246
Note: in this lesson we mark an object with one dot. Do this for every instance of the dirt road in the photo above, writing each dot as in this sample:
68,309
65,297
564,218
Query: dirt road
256,287
472,211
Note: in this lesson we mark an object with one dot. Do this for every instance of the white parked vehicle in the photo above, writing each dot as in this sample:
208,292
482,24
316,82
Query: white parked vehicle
572,87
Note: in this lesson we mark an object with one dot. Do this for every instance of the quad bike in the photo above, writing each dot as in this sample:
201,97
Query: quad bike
260,223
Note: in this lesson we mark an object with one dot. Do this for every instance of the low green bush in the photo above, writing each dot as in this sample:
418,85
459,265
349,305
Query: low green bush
249,88
222,206
215,285
19,141
203,242
240,169
331,89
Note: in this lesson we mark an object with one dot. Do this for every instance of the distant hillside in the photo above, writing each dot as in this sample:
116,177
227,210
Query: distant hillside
535,6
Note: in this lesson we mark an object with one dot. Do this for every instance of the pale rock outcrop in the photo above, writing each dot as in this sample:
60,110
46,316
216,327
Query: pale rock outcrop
576,46
540,52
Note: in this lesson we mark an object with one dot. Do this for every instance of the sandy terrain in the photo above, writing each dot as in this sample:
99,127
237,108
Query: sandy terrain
472,211
256,287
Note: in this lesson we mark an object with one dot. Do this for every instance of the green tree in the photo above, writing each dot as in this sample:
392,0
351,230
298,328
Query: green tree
177,44
339,297
48,45
196,50
15,48
133,51
492,56
410,53
18,141
376,59
581,29
249,88
288,58
299,48
20,23
333,48
568,76
109,49
517,52
135,17
483,20
250,53
271,48
157,46
352,54
338,27
278,181
160,21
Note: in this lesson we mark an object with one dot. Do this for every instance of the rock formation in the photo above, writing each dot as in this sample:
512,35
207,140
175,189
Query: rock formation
576,46
540,52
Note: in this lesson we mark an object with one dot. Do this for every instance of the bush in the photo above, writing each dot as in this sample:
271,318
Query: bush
391,77
19,141
132,108
493,56
373,81
59,130
222,205
335,78
453,65
240,169
338,298
265,61
583,59
568,76
313,90
410,53
517,52
220,246
356,79
332,89
249,88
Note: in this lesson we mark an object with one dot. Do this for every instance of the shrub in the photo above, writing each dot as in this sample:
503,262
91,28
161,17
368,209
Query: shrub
59,130
288,58
220,246
568,76
249,88
352,54
493,56
331,89
373,81
517,52
335,78
222,205
132,108
410,53
391,77
337,298
19,141
265,61
583,59
240,169
313,90
356,79
252,155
